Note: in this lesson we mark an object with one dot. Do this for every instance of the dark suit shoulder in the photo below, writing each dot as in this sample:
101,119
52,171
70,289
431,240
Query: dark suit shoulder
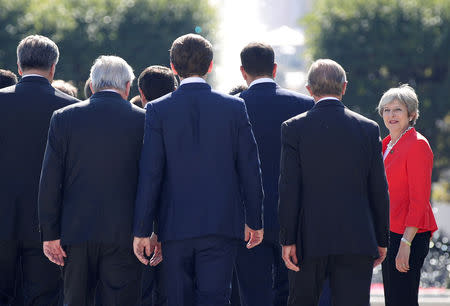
297,119
226,98
40,91
364,121
162,99
63,96
212,96
136,109
267,89
71,108
294,94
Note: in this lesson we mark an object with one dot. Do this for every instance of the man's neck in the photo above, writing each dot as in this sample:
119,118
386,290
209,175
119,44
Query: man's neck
120,92
193,76
318,98
192,79
42,73
252,79
262,79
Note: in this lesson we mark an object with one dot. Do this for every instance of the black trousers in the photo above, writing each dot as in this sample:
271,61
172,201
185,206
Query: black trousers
197,271
153,290
111,269
403,288
41,279
350,277
262,275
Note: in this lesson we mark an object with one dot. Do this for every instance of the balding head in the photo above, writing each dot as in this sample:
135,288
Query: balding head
326,78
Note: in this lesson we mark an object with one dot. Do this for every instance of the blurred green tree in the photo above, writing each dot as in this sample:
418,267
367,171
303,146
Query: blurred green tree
140,31
384,43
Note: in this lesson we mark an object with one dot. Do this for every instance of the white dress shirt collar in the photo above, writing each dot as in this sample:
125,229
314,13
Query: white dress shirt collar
261,80
192,80
328,98
111,90
33,75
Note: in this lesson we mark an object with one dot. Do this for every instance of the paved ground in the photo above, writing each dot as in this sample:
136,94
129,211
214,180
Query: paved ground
427,296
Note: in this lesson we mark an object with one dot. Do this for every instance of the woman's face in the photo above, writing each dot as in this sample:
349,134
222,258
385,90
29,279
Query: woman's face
395,117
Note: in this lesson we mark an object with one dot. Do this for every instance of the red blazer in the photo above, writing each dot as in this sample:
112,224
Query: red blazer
408,170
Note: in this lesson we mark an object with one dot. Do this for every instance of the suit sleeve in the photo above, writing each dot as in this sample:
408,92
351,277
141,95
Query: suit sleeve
378,192
419,165
289,187
51,182
248,166
151,171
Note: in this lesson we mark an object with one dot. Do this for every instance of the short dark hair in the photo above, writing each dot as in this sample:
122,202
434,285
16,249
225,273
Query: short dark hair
87,89
66,87
191,54
156,81
237,89
7,78
258,59
36,51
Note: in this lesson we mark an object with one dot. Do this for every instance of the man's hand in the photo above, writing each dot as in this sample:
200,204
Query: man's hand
142,247
289,255
54,251
382,252
254,237
157,251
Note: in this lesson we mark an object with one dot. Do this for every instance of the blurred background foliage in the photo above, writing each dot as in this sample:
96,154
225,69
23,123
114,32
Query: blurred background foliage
380,43
140,31
384,43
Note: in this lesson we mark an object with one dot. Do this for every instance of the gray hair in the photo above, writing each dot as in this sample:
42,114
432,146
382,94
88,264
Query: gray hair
404,94
36,51
326,77
111,71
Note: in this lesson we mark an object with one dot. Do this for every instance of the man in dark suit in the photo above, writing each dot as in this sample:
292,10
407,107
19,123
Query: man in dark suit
26,111
200,179
261,272
334,206
154,82
88,187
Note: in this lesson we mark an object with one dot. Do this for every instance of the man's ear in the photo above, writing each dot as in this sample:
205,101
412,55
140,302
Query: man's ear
127,90
90,86
210,67
274,72
142,95
19,70
244,74
52,71
344,87
309,90
173,68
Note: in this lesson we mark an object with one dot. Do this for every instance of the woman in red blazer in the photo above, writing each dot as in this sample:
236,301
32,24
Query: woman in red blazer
408,161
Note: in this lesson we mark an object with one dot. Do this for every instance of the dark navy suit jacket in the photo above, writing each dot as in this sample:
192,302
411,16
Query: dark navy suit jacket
199,171
268,106
333,190
90,171
26,109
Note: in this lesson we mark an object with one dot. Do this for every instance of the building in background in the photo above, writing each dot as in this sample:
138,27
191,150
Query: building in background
273,22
